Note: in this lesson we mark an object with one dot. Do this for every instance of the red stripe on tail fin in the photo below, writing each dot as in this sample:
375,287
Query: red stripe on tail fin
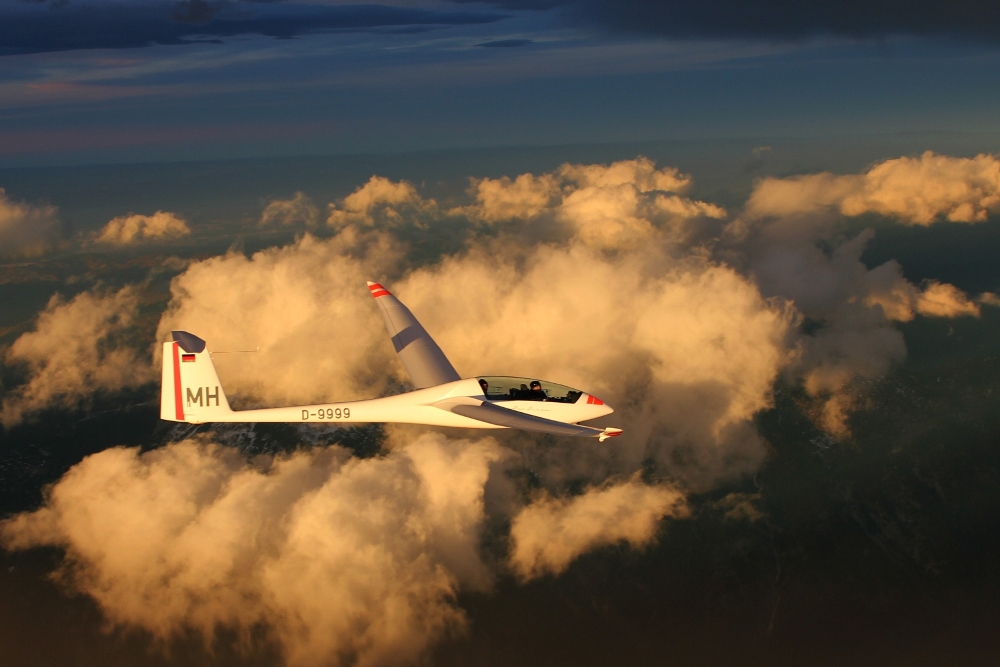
178,399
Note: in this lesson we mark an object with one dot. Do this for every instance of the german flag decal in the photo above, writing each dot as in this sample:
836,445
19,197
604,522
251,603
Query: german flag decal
187,357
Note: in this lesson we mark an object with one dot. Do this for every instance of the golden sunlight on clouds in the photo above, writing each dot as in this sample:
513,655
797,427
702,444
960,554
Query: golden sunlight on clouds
916,191
609,207
75,351
602,277
379,200
299,210
646,329
551,532
136,228
26,230
345,561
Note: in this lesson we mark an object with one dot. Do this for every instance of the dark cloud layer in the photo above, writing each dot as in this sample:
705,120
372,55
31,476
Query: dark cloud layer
30,28
783,19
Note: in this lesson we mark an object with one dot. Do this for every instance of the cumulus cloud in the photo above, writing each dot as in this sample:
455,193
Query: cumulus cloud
595,276
378,201
550,533
305,306
916,191
787,239
344,561
640,172
136,228
687,349
611,207
75,350
592,275
299,210
504,198
989,299
26,230
944,300
849,308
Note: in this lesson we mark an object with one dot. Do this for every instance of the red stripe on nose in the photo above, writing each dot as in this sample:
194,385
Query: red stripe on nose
593,400
377,290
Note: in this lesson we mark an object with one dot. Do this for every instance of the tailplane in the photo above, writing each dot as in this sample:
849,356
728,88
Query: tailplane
190,390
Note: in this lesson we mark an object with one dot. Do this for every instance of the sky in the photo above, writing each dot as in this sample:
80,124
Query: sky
764,233
96,81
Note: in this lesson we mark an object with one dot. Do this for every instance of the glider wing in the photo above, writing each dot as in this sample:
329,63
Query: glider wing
499,416
421,356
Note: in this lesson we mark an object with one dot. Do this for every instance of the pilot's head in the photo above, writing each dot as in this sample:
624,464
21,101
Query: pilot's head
485,386
536,385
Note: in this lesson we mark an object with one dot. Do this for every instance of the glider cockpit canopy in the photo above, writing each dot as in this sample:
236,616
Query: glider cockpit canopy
505,388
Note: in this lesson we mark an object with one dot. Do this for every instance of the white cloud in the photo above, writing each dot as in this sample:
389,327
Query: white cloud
299,210
26,230
944,300
136,228
341,557
305,305
610,207
378,201
550,533
74,351
916,191
989,299
344,561
682,347
786,234
499,199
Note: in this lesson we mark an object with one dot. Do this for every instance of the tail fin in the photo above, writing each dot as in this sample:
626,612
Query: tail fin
190,390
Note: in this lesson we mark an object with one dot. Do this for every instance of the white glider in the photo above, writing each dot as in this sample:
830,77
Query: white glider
191,391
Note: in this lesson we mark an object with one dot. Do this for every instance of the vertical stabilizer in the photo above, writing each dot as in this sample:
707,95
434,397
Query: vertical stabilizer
190,390
421,356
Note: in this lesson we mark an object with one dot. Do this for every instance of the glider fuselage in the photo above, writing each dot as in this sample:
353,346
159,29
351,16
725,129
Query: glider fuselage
431,406
191,391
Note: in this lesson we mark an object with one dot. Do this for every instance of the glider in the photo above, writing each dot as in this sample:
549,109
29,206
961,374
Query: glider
191,391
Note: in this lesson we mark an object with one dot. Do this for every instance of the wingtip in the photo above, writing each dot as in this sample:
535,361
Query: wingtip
609,432
377,290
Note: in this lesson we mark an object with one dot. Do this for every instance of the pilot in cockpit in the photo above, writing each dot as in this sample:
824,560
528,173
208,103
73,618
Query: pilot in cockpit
536,393
485,386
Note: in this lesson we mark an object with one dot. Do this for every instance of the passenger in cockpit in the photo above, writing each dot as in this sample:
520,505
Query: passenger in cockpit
485,386
536,393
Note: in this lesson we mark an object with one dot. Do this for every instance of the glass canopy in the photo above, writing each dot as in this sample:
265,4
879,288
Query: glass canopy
503,388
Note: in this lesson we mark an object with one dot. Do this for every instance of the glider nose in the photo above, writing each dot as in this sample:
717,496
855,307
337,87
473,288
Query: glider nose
595,406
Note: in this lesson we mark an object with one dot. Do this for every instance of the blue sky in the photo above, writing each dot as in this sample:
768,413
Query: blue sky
145,81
